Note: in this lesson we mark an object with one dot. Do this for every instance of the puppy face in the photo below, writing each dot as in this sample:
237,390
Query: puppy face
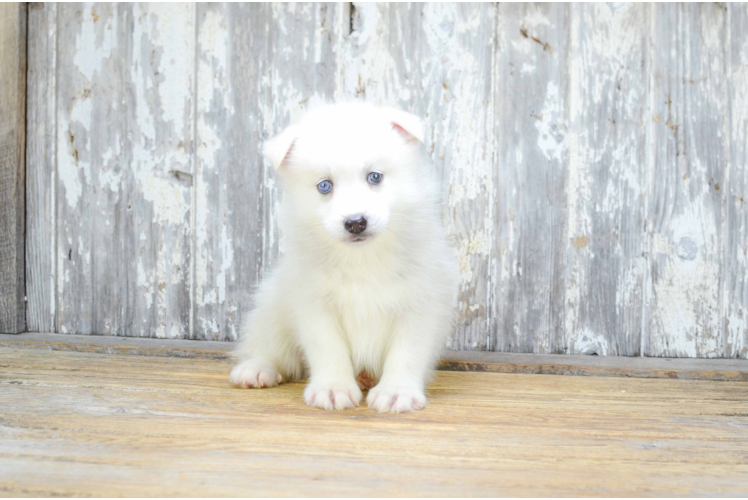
349,170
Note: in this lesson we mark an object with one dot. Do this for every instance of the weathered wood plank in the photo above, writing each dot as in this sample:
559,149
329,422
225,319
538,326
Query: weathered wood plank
735,265
41,168
74,425
124,135
607,242
686,204
258,65
90,137
162,80
12,166
435,60
531,132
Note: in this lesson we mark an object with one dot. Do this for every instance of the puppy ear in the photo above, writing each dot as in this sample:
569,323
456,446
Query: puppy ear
279,148
407,125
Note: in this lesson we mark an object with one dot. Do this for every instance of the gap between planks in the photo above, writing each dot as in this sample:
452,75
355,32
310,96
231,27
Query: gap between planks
735,370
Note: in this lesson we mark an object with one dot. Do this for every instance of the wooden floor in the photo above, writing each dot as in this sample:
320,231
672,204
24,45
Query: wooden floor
82,424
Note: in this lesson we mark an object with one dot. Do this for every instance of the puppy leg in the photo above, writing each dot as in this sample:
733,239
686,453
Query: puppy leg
413,352
266,352
332,384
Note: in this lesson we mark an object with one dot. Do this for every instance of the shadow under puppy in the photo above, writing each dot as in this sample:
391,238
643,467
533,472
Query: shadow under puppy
363,296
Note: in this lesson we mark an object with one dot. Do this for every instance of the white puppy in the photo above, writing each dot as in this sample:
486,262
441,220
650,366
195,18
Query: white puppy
364,292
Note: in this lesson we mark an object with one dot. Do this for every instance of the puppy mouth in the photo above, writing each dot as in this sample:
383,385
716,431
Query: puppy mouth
360,238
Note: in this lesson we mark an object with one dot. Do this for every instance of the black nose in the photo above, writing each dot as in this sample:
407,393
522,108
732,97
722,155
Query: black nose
355,224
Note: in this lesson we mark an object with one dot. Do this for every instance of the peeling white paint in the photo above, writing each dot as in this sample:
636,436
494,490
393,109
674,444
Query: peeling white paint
212,74
440,78
177,41
145,284
109,178
550,125
170,204
605,188
476,245
585,341
95,42
72,160
227,261
688,287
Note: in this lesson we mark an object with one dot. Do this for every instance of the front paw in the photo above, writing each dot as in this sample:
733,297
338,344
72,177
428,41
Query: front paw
384,398
329,396
254,373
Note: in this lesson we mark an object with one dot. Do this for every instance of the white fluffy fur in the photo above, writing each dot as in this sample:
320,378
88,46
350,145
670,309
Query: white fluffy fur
335,308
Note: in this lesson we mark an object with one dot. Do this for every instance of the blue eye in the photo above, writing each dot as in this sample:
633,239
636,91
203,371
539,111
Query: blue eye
324,187
374,178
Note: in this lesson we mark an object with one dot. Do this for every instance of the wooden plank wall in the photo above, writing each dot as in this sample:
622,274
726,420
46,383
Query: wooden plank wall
256,64
12,166
593,161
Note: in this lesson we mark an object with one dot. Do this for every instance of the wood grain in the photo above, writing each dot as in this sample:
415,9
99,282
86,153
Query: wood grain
91,121
606,239
41,168
12,166
686,207
77,424
734,311
531,131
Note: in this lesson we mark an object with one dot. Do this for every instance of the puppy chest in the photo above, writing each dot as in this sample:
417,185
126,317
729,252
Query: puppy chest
366,299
